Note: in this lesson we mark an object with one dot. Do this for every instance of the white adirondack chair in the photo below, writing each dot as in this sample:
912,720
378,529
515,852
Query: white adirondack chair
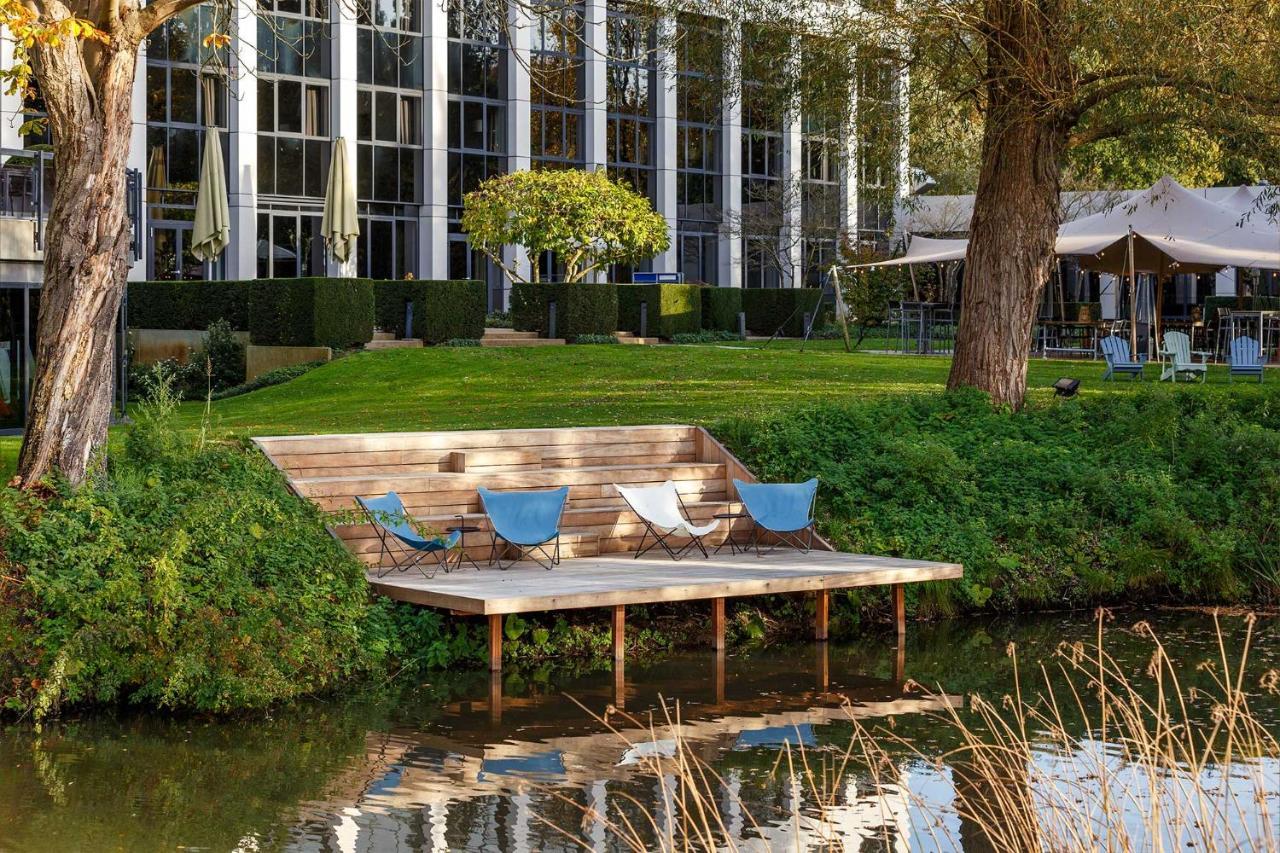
1177,357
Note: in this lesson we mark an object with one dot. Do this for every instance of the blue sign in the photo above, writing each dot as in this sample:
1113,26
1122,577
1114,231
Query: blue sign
657,278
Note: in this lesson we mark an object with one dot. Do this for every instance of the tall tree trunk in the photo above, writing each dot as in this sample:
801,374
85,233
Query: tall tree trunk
88,97
1016,209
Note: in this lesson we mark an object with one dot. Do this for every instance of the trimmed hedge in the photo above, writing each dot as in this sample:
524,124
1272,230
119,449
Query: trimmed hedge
192,305
587,310
529,306
720,308
770,308
326,312
442,310
674,309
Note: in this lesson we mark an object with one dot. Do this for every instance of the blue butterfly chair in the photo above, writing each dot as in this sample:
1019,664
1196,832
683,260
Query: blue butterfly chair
400,540
527,521
783,509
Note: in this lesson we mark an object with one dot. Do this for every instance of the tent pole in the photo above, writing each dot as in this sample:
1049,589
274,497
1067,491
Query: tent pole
1133,300
911,270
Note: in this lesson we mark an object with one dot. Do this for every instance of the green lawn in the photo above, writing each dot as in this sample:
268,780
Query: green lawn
466,388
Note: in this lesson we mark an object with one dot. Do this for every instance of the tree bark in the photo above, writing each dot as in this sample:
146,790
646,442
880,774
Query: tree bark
1016,208
88,95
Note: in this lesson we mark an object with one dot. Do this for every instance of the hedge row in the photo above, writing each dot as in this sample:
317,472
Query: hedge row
720,308
442,310
332,312
673,309
771,309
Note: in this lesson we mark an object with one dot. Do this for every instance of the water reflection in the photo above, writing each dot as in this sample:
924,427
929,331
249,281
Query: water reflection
467,762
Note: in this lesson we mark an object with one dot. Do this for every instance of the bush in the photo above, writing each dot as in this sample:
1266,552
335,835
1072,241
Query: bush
498,320
529,306
706,336
222,356
587,310
673,308
325,312
279,376
461,342
595,339
191,305
721,307
187,578
769,309
1121,498
441,309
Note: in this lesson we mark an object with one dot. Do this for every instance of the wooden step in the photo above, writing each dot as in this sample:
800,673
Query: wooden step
508,334
384,336
402,343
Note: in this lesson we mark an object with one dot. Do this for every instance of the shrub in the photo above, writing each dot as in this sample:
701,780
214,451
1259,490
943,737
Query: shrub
326,312
1112,498
769,309
498,320
461,342
191,305
279,376
222,355
595,339
529,306
672,308
706,336
188,578
720,308
587,310
441,309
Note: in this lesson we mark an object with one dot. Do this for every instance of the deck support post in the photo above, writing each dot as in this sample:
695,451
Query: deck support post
619,685
495,642
900,663
822,663
717,624
900,607
719,676
821,611
619,632
495,697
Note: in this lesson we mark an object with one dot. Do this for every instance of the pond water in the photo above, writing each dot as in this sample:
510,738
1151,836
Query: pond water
444,766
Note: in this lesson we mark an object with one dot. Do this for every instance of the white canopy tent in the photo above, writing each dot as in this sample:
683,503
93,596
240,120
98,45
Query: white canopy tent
925,250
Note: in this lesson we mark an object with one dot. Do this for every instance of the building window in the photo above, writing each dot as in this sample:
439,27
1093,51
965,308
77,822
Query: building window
181,100
294,145
388,244
477,101
557,113
763,187
389,120
699,181
290,244
631,71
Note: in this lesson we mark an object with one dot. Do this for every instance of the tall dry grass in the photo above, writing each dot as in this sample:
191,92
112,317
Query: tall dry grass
1079,757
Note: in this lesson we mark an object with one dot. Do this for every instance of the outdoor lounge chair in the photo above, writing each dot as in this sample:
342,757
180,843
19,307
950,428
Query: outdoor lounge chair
400,540
1246,358
1177,349
662,512
1115,350
527,521
783,509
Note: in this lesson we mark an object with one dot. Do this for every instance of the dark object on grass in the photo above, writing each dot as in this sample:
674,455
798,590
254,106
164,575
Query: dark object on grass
1066,387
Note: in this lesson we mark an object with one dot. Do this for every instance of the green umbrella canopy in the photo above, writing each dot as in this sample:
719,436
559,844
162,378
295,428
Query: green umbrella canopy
340,226
212,230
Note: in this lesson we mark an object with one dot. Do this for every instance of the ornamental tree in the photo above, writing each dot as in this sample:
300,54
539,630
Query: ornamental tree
586,219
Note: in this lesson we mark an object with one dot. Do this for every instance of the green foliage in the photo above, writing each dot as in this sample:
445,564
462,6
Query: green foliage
187,577
868,291
706,336
191,305
461,342
441,309
588,220
587,310
721,307
222,355
595,339
498,320
673,309
1115,498
327,312
770,308
1214,304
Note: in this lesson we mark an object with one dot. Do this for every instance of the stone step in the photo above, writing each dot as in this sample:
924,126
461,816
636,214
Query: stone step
384,336
407,343
521,342
508,334
629,338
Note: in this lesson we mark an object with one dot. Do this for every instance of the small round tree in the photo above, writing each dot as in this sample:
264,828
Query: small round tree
588,220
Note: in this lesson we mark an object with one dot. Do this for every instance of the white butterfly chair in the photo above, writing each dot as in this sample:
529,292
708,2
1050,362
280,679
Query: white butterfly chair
664,516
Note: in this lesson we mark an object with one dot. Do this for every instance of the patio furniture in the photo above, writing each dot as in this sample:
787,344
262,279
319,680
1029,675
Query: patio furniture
783,509
662,512
1119,359
400,540
528,521
734,545
1177,349
1246,358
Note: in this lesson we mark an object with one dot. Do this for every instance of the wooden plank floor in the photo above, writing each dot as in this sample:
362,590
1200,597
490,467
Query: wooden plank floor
619,579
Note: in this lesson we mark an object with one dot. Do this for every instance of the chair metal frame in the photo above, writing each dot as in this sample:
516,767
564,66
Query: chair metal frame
409,557
549,559
660,539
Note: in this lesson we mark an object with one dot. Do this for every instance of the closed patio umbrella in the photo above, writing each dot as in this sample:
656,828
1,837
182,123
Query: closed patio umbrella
211,232
340,226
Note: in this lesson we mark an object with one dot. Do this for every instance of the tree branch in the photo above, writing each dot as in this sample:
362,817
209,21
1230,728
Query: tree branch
151,16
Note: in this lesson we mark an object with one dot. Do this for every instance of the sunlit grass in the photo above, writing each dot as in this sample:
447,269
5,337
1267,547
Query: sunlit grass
459,388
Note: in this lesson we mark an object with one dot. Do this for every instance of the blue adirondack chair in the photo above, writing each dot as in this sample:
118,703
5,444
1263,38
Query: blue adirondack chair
783,509
1246,358
1115,350
526,521
400,540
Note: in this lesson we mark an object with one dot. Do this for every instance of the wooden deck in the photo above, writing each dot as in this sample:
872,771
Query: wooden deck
436,474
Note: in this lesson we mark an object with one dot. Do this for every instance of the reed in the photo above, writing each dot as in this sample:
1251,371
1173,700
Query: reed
1080,756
